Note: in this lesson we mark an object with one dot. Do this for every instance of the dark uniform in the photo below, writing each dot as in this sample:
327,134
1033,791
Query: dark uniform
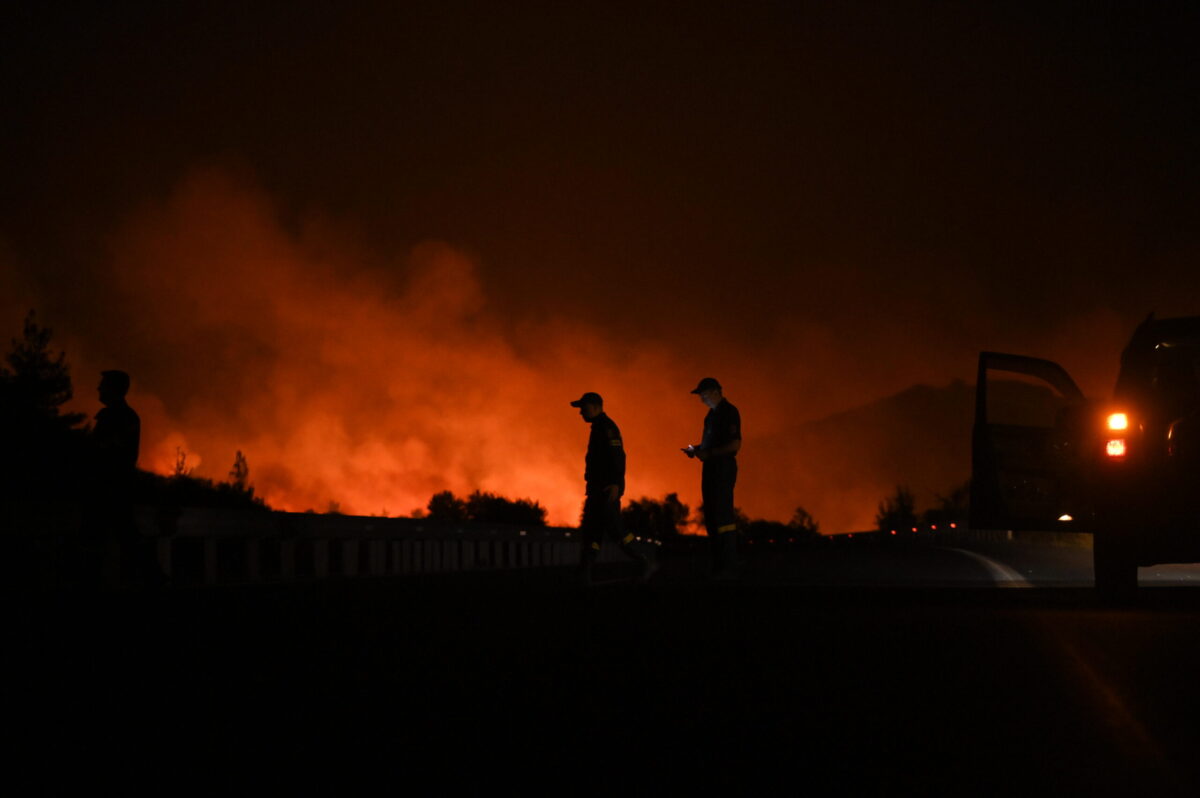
604,465
722,426
116,439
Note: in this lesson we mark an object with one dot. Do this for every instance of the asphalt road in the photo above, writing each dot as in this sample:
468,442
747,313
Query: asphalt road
858,670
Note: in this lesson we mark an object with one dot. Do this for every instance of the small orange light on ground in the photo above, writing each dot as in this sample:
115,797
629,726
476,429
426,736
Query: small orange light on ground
914,529
933,527
954,526
1118,421
1066,517
893,531
1115,448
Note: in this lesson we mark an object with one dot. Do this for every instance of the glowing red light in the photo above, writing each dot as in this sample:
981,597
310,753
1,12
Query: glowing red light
1115,448
954,526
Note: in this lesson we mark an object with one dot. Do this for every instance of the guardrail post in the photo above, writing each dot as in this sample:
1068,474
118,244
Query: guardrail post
210,561
287,560
162,551
320,558
252,548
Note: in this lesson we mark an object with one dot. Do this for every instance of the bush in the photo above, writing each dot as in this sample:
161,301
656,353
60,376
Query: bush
897,512
485,508
652,518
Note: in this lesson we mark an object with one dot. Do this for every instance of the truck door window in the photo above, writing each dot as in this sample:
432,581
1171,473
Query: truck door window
1023,401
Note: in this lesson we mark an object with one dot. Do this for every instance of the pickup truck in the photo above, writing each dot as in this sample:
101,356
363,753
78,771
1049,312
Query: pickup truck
1125,469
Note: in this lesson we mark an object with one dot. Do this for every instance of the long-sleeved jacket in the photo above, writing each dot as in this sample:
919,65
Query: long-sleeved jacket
722,426
605,459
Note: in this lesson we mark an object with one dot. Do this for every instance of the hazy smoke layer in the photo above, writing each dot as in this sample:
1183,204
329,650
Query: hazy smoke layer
373,383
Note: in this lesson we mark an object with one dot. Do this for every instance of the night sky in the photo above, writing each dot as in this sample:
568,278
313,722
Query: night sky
380,248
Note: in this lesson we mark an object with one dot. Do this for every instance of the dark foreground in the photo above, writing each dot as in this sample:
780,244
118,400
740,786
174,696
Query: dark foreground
764,687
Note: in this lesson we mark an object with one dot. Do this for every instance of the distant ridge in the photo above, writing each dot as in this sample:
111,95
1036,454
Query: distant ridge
845,463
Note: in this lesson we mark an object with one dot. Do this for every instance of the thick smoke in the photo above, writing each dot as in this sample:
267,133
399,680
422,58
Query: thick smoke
368,384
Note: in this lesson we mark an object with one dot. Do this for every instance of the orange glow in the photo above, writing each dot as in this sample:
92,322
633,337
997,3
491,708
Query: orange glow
1115,448
1118,421
375,380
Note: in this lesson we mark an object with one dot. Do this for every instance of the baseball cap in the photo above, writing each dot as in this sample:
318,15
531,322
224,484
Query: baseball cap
589,398
706,384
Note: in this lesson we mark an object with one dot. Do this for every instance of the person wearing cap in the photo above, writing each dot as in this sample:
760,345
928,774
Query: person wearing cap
604,479
718,450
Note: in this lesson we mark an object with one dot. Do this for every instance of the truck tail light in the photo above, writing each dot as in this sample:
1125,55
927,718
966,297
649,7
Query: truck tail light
1115,448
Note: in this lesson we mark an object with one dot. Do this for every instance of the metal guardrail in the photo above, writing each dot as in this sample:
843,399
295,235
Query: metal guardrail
208,547
200,546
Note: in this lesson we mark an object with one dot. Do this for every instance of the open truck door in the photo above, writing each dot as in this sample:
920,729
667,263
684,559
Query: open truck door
1026,446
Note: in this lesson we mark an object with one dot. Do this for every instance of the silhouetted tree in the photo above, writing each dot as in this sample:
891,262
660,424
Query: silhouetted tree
447,507
647,517
239,477
40,445
803,523
35,385
489,508
240,473
952,509
897,512
181,468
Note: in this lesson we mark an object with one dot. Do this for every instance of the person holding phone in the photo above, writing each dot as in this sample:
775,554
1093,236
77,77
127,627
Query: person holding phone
718,450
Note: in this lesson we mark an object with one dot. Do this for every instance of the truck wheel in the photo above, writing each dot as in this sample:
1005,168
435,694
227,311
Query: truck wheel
1114,566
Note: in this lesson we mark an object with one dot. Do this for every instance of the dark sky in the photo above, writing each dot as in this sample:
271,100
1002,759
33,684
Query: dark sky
822,203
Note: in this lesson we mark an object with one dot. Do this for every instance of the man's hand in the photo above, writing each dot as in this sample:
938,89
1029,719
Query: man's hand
689,450
613,492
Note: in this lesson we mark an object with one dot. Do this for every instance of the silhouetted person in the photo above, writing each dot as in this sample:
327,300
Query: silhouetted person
604,477
115,441
718,451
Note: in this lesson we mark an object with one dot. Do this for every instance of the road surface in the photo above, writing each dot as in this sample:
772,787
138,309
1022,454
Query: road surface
853,670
